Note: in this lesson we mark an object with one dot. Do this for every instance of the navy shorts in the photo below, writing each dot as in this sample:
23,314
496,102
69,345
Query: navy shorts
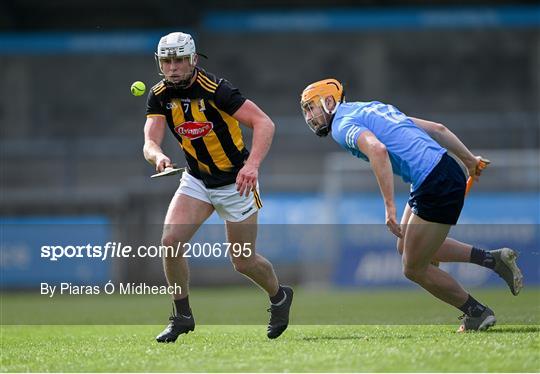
441,195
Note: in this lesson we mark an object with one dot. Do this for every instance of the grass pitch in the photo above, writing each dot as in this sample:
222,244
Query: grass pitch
430,344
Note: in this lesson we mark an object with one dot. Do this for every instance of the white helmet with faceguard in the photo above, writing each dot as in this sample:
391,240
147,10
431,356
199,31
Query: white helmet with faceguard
177,46
314,108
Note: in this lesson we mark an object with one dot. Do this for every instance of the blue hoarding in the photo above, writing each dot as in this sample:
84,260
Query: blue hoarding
22,240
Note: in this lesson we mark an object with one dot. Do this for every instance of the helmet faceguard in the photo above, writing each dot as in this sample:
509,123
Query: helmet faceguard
178,47
317,116
314,108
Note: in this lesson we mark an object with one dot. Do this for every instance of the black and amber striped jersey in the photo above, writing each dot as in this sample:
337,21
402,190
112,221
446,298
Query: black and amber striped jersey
200,117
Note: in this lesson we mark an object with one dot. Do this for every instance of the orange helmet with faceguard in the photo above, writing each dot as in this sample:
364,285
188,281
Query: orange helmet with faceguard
313,102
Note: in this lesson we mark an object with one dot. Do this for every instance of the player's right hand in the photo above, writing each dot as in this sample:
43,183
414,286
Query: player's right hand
392,223
162,162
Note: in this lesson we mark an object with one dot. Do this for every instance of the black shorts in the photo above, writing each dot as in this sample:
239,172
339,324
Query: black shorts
441,195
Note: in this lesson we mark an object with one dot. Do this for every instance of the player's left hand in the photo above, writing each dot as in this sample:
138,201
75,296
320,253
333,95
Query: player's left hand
246,180
476,166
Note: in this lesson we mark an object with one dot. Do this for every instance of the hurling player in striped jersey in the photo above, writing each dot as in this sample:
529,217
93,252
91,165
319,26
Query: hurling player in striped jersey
203,113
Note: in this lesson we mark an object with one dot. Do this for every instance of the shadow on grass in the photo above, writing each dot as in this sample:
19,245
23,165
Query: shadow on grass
513,329
345,337
353,337
497,330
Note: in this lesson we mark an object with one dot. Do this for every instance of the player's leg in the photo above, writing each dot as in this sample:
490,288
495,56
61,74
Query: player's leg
250,263
183,219
450,250
260,271
502,261
422,240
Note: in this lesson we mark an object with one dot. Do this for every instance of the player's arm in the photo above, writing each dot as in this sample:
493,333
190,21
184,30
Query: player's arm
382,168
447,139
154,130
252,116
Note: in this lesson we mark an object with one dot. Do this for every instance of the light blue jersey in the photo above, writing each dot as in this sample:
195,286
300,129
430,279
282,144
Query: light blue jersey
413,153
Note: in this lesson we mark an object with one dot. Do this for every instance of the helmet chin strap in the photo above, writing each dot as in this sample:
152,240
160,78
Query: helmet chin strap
323,132
183,83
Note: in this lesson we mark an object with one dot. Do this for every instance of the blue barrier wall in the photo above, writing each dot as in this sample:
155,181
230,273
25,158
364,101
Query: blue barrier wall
21,265
373,18
367,256
285,20
367,251
357,245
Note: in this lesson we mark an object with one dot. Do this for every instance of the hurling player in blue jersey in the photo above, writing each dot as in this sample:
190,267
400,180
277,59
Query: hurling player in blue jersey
417,151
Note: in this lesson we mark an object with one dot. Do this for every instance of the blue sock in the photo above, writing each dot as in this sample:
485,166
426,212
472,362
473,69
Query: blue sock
482,258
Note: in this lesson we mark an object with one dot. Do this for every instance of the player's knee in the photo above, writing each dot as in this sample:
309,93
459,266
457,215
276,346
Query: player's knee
170,247
413,273
169,240
243,265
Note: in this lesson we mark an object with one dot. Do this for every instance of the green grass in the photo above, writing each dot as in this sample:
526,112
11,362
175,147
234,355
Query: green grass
247,306
421,339
244,348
